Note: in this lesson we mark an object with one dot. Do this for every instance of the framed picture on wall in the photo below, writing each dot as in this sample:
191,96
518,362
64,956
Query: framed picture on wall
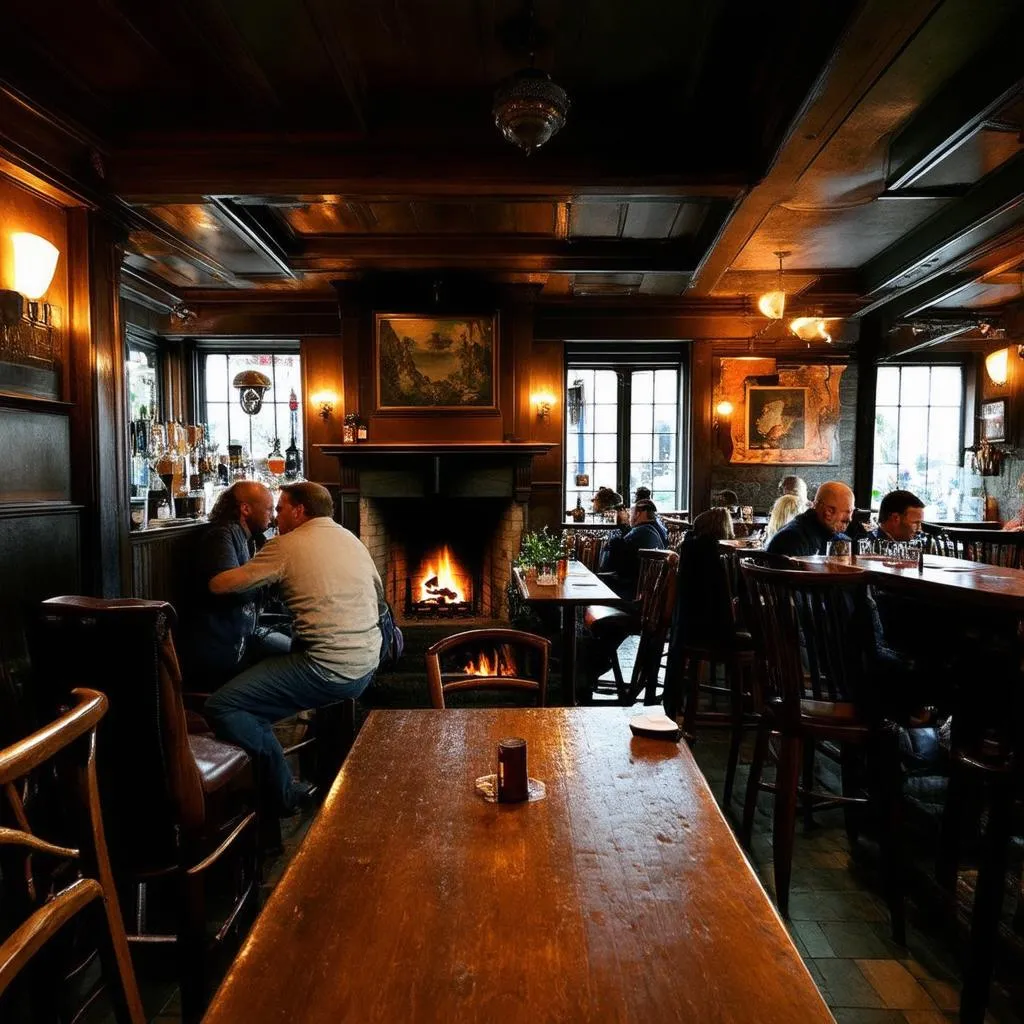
993,420
429,363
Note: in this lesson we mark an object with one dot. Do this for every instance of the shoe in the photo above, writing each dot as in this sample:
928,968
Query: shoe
300,798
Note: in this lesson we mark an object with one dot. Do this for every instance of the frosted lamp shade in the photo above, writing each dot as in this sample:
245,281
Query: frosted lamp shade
35,260
995,366
772,305
810,328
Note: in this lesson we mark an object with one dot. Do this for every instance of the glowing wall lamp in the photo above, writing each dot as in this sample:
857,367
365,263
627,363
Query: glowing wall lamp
326,400
542,402
723,411
35,261
996,366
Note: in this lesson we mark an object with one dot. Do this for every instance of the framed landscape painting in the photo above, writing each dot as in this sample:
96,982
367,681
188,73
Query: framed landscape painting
426,363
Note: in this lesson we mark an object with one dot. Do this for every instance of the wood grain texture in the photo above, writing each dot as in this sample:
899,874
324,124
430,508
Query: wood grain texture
581,587
621,896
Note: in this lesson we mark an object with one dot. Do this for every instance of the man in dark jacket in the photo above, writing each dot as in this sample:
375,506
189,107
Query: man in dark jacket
622,554
220,632
810,532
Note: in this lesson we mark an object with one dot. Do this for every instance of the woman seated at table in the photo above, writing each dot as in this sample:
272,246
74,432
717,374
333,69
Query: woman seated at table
786,507
797,486
606,500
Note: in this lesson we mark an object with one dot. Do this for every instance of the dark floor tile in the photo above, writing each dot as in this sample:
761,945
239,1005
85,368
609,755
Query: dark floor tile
862,1015
813,938
846,984
854,939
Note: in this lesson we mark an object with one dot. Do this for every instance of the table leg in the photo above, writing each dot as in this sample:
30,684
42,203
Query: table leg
569,654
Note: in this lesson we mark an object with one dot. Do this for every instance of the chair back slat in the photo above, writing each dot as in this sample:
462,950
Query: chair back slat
655,616
58,760
812,629
993,547
524,646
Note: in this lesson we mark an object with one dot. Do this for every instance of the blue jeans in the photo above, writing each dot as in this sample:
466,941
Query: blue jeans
244,710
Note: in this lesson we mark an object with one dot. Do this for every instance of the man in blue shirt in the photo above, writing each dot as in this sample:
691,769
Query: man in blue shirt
810,532
622,555
899,517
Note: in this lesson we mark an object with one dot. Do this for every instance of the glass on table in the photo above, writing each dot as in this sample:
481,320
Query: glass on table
839,549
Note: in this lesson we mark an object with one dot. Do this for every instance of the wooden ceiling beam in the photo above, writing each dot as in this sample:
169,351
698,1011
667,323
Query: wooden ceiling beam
877,35
185,170
962,106
329,252
993,205
325,16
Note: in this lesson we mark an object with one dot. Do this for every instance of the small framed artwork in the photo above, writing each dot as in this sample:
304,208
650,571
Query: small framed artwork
430,364
993,420
582,479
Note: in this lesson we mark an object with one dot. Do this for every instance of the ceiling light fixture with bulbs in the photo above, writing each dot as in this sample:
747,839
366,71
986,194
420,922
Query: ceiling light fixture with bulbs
773,304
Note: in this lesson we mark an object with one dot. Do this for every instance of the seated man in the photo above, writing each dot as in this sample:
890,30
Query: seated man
219,635
332,589
644,494
810,532
621,555
899,517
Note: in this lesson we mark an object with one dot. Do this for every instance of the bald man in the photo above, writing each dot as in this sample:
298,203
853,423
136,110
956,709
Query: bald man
810,532
220,637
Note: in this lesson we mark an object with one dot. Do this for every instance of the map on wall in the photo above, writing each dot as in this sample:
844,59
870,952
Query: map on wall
786,415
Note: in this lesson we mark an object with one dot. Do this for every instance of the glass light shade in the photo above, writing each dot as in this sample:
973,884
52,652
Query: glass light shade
724,409
35,260
996,366
772,305
529,108
810,328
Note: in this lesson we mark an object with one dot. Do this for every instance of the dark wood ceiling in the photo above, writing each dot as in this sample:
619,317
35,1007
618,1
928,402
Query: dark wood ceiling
272,146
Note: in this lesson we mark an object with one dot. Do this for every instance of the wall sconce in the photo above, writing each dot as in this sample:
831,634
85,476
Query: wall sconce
325,401
542,401
723,411
996,366
35,262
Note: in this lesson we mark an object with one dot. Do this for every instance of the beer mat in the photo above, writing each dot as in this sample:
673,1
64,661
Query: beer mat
487,787
655,726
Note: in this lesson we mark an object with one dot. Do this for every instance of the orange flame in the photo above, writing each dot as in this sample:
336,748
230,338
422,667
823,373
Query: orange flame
502,664
439,578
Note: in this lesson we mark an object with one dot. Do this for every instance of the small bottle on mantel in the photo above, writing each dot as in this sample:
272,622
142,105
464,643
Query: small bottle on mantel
579,513
348,429
362,429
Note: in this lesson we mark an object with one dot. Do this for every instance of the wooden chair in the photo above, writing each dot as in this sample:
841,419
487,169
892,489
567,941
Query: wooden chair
619,622
181,805
472,641
815,636
67,748
657,593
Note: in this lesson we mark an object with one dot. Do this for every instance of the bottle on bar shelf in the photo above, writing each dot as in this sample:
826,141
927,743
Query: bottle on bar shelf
292,456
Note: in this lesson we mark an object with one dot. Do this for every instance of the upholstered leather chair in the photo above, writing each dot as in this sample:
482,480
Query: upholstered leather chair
48,780
176,799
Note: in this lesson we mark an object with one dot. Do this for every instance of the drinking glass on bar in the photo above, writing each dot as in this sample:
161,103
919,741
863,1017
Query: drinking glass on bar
839,549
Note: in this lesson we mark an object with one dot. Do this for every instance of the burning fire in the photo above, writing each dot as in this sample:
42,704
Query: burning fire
439,584
502,664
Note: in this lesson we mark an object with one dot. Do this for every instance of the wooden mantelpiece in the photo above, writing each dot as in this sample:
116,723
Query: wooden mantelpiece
450,469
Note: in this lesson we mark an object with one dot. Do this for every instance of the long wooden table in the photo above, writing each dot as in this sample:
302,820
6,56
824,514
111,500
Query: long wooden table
621,896
581,587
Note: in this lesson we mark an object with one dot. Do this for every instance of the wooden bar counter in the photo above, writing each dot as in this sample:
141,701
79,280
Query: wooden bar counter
620,896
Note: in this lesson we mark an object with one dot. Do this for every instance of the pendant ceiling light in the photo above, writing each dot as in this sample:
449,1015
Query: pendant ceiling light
529,108
773,304
811,328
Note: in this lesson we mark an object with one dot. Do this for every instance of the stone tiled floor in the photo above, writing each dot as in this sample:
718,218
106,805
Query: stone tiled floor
840,923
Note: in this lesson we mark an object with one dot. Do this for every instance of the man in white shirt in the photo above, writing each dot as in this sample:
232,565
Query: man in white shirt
333,590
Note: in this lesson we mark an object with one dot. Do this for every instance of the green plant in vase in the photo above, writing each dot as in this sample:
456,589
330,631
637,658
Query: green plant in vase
538,548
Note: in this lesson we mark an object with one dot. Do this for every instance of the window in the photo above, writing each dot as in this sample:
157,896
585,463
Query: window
622,431
143,383
919,435
226,420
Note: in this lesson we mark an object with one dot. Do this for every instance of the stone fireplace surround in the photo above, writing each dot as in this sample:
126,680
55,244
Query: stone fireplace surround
387,489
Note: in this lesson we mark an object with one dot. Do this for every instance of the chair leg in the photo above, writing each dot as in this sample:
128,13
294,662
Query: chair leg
692,697
787,779
116,961
754,782
988,900
887,790
736,738
192,948
849,770
808,784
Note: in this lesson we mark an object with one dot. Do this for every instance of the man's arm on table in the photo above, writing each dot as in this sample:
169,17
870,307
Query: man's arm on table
267,566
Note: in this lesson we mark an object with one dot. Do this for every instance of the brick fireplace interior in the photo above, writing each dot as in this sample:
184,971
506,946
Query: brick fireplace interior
410,540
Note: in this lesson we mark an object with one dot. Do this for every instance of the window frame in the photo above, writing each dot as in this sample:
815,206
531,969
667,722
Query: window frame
966,403
624,370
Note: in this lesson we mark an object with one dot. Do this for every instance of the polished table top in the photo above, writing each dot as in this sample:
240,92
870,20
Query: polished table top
942,577
581,586
621,896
